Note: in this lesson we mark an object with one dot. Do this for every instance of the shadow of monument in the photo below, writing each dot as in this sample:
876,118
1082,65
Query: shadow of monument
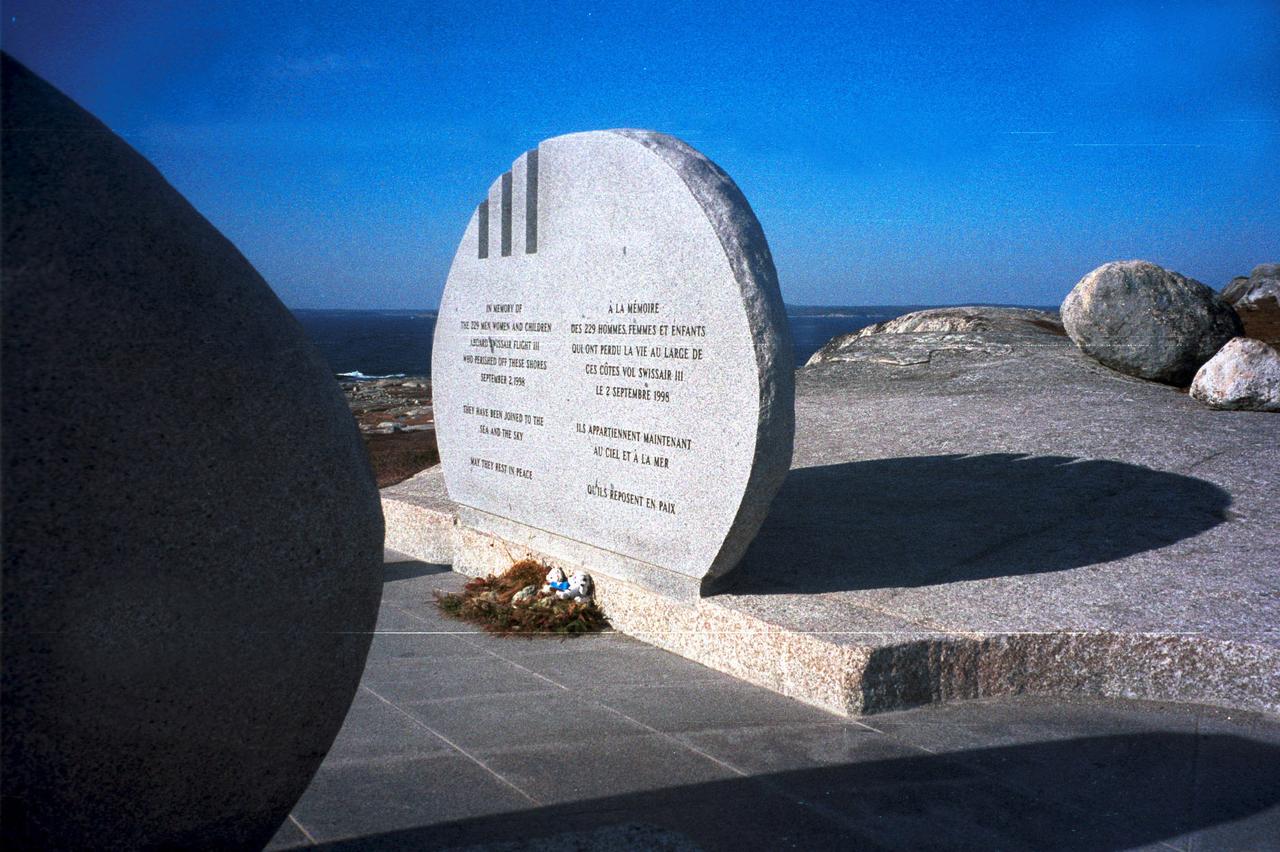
928,520
1089,793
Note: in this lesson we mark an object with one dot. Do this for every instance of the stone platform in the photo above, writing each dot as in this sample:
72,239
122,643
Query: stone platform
459,740
976,510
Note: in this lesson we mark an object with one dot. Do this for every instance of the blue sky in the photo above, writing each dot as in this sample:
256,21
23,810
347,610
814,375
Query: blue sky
895,153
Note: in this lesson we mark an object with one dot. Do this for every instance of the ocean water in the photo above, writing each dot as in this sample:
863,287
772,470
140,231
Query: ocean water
379,344
372,344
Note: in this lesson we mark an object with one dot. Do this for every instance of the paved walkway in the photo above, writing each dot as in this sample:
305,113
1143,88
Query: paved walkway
457,739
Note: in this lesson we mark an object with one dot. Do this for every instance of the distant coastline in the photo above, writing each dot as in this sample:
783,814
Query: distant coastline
365,345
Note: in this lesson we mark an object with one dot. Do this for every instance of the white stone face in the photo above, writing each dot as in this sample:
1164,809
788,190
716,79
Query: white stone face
611,364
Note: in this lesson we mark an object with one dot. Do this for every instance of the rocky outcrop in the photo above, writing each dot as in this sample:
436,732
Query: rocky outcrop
1245,374
192,536
1256,298
1146,321
391,405
1235,288
1261,286
397,421
965,332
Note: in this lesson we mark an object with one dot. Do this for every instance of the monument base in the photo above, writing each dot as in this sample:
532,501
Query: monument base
976,513
483,545
854,662
424,524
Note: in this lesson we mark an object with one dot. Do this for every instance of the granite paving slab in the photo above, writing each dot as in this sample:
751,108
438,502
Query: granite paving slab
996,519
700,761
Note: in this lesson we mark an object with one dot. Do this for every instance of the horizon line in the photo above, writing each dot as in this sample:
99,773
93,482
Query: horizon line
785,304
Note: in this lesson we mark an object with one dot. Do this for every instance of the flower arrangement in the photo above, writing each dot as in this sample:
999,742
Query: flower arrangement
528,599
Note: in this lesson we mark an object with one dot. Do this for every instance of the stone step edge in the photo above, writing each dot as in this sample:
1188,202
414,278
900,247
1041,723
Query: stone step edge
881,672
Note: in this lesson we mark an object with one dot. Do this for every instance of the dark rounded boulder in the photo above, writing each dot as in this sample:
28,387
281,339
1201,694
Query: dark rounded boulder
1147,321
192,536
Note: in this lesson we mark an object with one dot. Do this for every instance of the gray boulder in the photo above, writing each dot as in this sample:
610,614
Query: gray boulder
1147,321
1262,285
1245,374
192,535
1235,288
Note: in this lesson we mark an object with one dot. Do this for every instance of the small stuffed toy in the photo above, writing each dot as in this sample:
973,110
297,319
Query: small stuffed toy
555,582
577,589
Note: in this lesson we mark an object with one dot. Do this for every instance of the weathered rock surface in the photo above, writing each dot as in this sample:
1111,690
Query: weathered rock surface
965,332
1235,288
1147,321
397,422
1244,375
1261,286
1256,298
190,581
403,402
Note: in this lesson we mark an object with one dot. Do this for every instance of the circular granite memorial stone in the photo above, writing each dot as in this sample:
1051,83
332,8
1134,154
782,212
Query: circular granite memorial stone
612,366
192,536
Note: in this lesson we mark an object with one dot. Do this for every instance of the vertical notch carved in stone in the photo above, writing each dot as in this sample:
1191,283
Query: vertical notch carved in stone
506,214
483,213
531,202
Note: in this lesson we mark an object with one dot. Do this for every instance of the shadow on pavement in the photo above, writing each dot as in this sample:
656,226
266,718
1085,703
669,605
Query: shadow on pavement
928,520
409,569
1089,793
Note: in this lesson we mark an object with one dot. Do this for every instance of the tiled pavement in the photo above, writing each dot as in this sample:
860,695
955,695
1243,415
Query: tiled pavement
458,739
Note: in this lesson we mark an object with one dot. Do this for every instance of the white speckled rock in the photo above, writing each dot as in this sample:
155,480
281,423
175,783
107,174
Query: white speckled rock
1245,374
1146,321
611,363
